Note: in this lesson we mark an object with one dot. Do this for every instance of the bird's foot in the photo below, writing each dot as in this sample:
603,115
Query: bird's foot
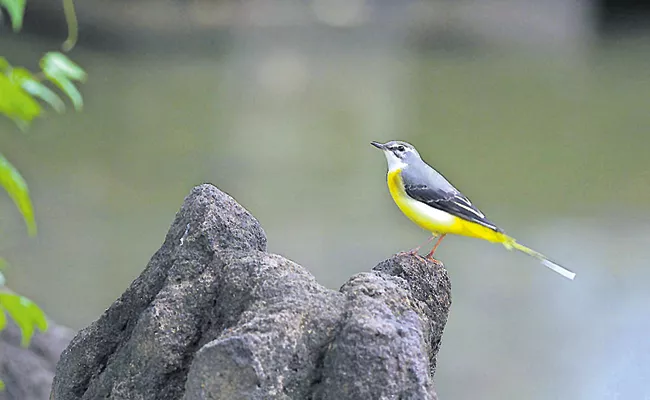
430,255
433,260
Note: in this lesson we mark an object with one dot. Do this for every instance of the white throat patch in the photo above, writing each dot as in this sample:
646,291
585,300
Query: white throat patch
394,163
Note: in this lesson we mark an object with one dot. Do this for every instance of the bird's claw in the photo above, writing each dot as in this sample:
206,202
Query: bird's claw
433,260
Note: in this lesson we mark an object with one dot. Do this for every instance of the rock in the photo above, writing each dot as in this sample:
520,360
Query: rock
214,316
28,372
391,332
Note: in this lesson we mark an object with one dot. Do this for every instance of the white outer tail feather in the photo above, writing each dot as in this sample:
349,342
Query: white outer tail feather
562,271
511,243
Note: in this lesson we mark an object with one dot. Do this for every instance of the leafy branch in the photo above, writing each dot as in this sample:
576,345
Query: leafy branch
21,88
21,95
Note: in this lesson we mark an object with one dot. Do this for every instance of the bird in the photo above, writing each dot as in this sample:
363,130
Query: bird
428,199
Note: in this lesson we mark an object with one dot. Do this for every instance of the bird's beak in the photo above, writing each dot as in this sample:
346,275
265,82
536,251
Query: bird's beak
378,145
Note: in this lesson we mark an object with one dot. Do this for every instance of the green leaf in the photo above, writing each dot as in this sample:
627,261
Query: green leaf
25,79
25,313
2,385
16,10
60,70
16,103
35,88
58,64
3,319
69,89
17,189
37,315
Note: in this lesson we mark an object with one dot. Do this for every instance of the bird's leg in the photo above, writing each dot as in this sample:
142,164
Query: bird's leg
430,255
414,251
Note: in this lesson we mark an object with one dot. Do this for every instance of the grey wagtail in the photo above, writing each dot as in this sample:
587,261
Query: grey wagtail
434,204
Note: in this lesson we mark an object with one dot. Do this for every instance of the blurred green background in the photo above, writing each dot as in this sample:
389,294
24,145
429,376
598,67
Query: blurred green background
539,112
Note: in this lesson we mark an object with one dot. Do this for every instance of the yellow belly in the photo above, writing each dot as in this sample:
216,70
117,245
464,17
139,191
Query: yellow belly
434,220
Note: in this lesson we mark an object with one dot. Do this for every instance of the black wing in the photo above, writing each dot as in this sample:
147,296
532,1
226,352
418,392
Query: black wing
452,202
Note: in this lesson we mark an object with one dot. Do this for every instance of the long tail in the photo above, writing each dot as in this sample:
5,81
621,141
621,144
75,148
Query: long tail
511,243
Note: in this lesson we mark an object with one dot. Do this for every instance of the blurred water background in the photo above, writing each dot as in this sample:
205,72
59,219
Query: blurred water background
538,111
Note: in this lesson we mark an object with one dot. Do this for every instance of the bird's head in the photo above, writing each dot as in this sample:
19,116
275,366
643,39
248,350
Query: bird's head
398,154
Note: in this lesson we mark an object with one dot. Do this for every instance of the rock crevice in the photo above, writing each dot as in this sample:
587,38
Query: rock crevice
214,316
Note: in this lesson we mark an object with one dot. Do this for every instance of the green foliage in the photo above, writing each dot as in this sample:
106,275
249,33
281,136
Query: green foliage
21,88
26,313
16,104
16,187
21,91
16,10
61,71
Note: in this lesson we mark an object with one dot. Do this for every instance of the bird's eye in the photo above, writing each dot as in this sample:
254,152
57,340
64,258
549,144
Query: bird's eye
400,148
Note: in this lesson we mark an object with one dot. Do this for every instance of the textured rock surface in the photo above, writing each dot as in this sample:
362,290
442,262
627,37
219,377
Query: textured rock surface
213,316
28,372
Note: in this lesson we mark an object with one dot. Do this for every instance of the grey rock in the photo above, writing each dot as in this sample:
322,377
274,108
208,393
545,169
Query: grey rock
390,334
214,316
28,372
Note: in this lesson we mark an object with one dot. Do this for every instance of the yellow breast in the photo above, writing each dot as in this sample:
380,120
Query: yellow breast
426,217
432,219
